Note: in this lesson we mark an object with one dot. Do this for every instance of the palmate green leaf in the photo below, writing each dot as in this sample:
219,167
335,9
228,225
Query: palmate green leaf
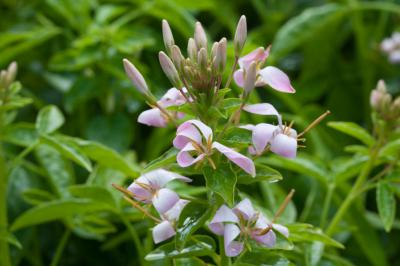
198,245
69,150
303,27
264,173
353,130
49,119
221,181
55,210
306,232
193,216
386,204
21,134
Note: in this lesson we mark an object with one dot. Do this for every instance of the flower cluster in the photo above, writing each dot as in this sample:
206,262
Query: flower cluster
7,77
391,47
383,103
196,106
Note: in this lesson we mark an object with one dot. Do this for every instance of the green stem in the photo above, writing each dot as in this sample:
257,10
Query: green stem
5,259
61,247
327,204
135,238
225,260
354,191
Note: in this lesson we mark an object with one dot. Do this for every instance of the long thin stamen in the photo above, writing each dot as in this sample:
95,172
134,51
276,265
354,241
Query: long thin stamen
314,123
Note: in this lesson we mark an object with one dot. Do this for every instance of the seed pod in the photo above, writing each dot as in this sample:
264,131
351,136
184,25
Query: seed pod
169,70
136,78
200,36
192,49
240,35
167,36
250,78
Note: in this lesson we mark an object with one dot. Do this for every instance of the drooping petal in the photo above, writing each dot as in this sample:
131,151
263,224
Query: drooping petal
261,109
164,200
276,79
284,145
238,76
173,97
140,192
204,129
159,178
248,127
185,159
223,215
258,55
152,117
240,160
268,239
245,210
281,229
232,248
163,231
173,213
262,135
186,133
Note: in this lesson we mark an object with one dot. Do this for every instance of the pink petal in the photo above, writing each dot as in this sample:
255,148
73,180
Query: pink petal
152,117
163,231
141,194
268,239
204,129
284,145
184,159
223,214
164,200
186,133
258,55
238,76
240,160
173,213
245,209
159,178
248,127
387,45
232,248
173,97
394,56
275,78
261,109
281,229
262,134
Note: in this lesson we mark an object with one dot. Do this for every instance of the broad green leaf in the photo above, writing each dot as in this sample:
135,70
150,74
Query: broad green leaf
237,137
55,210
344,169
264,173
36,196
193,216
353,130
16,102
189,262
391,148
164,160
306,232
10,238
69,150
222,181
49,119
304,27
386,204
93,192
198,245
260,256
21,134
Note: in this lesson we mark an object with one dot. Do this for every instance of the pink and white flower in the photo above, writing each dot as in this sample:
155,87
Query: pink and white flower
166,228
150,188
194,136
241,223
271,76
155,117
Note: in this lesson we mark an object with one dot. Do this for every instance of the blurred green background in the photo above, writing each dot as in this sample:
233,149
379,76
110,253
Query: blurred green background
70,54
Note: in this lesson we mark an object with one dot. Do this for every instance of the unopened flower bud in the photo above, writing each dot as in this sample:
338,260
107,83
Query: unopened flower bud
136,78
202,58
12,72
177,56
169,69
3,79
192,49
214,48
240,35
200,36
250,78
221,55
167,36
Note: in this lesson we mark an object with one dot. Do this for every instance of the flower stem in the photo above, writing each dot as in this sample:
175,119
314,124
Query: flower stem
60,248
5,259
225,260
232,72
327,204
135,238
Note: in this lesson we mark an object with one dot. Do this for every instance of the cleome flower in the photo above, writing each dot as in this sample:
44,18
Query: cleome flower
193,136
391,47
241,224
271,76
150,188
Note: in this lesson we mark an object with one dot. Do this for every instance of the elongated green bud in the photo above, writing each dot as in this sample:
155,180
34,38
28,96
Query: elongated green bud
177,57
202,58
250,78
167,36
240,35
136,78
169,70
192,49
200,36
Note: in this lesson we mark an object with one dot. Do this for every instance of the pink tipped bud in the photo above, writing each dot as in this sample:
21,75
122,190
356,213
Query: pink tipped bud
381,86
250,78
222,55
192,49
200,36
177,56
202,58
240,35
167,35
214,48
169,69
136,78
